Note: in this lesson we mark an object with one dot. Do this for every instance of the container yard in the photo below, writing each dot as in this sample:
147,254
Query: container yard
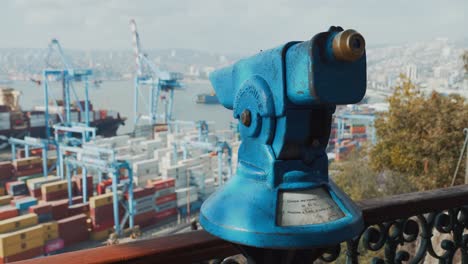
71,187
172,173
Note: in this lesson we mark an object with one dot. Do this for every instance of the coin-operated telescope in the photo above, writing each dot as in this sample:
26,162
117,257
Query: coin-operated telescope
281,196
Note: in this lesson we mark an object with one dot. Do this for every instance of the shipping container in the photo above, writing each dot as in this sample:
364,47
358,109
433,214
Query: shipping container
18,222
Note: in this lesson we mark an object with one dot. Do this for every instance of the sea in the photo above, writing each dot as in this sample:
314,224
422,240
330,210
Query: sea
119,96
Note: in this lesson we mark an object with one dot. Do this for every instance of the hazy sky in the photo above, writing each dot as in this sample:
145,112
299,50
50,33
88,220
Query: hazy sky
223,26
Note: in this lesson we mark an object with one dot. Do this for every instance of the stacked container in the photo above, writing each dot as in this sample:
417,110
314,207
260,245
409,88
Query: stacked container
165,198
73,229
144,206
22,244
56,190
23,203
101,214
17,188
43,211
78,180
34,185
144,171
27,166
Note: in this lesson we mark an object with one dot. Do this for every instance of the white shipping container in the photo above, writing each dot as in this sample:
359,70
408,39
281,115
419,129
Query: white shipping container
75,116
166,206
91,116
184,201
146,167
183,192
141,181
164,192
5,125
144,200
159,153
152,145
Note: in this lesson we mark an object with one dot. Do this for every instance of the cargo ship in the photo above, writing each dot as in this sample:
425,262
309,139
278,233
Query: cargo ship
15,122
205,98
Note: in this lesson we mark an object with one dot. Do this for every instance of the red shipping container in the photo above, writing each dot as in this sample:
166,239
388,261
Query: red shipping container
28,254
145,219
166,198
53,245
28,171
77,199
28,166
141,192
37,193
102,212
73,229
162,184
8,212
54,196
43,208
165,214
34,152
101,187
78,179
104,225
7,170
76,209
59,209
102,114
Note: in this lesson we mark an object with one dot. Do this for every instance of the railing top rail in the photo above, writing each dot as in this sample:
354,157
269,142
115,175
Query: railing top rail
199,245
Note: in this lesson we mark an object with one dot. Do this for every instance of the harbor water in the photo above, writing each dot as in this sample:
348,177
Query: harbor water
119,96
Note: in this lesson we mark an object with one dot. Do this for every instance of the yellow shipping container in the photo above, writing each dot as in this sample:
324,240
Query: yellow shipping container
50,230
18,222
54,186
100,200
27,161
5,199
101,235
17,237
50,236
32,182
50,226
51,160
21,247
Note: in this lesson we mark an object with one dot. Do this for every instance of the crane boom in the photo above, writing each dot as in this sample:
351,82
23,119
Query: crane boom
136,46
55,43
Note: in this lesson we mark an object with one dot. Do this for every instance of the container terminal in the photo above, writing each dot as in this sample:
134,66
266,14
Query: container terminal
71,182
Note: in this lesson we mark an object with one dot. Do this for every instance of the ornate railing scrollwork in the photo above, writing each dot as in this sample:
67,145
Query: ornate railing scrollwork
390,238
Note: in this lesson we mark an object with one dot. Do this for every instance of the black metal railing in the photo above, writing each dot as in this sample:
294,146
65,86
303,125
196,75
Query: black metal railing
410,228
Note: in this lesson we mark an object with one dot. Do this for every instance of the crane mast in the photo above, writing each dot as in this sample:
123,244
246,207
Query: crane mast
149,76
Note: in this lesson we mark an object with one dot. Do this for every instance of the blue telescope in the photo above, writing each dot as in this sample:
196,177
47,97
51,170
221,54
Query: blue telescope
281,196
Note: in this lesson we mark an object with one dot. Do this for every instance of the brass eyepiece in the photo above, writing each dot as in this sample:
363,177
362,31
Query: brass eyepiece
348,45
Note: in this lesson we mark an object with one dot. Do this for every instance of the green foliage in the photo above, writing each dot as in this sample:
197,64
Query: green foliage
420,136
356,177
360,181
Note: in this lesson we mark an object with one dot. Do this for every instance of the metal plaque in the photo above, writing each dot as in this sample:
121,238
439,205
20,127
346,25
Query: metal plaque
307,207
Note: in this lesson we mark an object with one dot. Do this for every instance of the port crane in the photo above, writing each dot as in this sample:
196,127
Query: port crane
156,81
67,75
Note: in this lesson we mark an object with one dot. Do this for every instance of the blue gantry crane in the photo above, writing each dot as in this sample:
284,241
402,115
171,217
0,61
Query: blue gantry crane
149,76
67,75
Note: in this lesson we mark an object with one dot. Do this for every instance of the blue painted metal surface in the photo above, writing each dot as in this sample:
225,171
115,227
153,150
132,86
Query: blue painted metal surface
28,142
285,99
67,76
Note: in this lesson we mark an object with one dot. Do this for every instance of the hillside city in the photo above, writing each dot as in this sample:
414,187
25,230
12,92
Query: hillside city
433,65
